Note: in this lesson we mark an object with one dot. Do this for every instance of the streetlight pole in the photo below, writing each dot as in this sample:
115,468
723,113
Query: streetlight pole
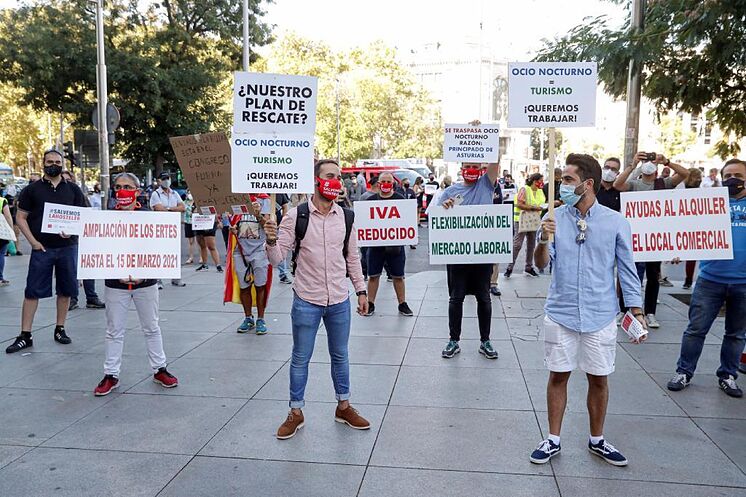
634,86
103,125
336,86
246,48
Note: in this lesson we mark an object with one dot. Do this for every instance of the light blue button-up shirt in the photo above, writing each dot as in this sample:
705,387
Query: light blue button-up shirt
582,296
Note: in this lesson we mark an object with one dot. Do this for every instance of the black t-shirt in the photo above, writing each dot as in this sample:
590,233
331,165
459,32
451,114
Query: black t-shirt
609,198
280,200
36,195
395,196
408,193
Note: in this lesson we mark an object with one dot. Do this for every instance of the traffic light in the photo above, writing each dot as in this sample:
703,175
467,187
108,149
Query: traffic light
68,151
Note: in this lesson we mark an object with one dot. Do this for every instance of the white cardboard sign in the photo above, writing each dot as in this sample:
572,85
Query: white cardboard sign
386,222
431,189
272,163
467,143
552,94
123,244
471,234
202,222
59,218
692,224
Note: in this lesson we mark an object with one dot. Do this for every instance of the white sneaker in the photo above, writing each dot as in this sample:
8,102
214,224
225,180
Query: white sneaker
619,316
652,322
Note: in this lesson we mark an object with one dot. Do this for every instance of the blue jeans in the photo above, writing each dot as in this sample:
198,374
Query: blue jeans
3,249
707,298
282,267
306,318
89,287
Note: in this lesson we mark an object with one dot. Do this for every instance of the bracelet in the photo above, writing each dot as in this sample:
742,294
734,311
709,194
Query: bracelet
272,243
543,242
361,292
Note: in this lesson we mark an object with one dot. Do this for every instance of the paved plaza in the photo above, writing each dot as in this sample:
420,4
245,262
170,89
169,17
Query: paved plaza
460,427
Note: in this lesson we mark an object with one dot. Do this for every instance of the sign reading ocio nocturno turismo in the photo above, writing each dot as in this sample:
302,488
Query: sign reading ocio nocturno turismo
467,143
471,234
386,223
274,122
691,224
552,94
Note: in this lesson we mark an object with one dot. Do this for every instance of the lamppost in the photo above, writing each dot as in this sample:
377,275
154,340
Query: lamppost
336,88
102,93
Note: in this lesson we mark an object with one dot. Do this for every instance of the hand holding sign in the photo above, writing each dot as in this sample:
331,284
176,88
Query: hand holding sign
270,229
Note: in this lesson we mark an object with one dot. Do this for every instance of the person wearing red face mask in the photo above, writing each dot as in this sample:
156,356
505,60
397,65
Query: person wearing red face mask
325,254
478,188
118,295
530,199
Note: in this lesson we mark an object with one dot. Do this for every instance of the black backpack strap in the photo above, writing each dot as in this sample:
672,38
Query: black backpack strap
301,226
349,220
659,184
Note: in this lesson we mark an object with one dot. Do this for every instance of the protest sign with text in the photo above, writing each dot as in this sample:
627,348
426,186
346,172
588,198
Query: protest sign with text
59,218
123,244
272,164
471,234
430,189
692,224
551,94
386,222
205,162
203,222
467,143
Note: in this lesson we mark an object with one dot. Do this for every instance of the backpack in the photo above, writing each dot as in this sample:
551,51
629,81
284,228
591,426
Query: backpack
301,226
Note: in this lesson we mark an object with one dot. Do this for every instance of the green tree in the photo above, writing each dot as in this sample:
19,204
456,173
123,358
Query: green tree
536,133
674,137
22,131
691,54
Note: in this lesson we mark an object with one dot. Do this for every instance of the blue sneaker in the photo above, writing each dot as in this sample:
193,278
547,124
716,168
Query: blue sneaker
261,327
247,325
608,453
544,452
452,348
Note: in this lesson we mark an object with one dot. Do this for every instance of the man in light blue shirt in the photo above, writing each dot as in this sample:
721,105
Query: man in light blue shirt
580,326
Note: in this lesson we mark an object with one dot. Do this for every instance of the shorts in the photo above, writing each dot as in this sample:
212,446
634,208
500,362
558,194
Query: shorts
393,257
188,231
205,232
258,266
566,350
63,262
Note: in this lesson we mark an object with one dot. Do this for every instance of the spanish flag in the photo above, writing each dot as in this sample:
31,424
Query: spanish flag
232,291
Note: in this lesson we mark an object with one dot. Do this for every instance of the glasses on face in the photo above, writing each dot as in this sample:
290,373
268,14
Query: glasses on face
124,187
582,227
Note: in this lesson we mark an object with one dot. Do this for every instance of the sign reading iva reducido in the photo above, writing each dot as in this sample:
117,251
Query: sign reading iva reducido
552,94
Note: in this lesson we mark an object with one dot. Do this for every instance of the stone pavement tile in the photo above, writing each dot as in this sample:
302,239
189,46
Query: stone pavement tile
458,440
251,434
369,384
277,324
44,317
249,347
426,352
389,306
13,367
366,350
380,325
475,388
9,453
182,320
582,487
438,307
73,473
381,482
524,309
658,448
703,398
29,417
8,333
662,357
212,476
83,372
671,332
87,338
630,392
729,435
150,423
531,355
201,377
437,327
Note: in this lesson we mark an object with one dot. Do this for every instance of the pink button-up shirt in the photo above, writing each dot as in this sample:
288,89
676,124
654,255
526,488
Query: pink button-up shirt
321,272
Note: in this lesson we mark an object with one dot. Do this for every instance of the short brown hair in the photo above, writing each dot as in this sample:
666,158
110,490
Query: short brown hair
321,162
588,168
730,162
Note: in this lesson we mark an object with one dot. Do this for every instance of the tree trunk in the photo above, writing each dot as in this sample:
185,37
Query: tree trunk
159,160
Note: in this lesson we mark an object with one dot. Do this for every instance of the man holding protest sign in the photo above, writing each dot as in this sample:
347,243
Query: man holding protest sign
720,282
470,279
580,326
393,257
165,199
51,253
325,254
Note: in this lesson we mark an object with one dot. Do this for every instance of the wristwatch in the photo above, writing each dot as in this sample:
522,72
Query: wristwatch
668,161
361,292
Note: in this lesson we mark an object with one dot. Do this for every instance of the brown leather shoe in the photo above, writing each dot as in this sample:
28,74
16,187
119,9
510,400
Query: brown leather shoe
290,427
351,418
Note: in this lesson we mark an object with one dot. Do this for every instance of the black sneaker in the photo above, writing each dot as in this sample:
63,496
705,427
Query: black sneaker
285,279
495,291
607,452
679,382
178,283
21,342
219,269
487,350
61,337
73,304
371,308
202,267
452,348
95,304
531,272
404,309
728,385
389,279
544,452
508,272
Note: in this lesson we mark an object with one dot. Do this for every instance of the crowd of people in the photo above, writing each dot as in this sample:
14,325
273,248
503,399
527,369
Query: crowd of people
314,239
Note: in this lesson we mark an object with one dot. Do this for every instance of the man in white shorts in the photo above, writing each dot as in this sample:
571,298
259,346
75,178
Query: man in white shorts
580,326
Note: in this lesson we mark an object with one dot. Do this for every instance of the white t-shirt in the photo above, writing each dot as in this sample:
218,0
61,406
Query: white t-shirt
707,182
167,200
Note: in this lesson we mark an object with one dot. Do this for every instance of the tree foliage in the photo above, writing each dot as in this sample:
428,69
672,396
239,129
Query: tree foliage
21,131
535,142
693,57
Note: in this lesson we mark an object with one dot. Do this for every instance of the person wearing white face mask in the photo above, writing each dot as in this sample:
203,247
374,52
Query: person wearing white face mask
166,199
648,181
608,196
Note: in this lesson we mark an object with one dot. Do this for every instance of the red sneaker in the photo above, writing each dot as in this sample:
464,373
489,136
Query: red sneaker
106,385
165,379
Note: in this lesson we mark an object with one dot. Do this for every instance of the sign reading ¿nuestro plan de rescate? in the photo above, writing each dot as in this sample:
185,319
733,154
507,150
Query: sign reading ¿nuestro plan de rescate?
552,94
471,234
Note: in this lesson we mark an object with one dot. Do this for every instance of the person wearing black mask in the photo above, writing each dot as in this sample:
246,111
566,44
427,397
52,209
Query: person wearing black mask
51,254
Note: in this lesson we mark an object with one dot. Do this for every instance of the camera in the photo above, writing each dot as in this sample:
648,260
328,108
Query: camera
650,157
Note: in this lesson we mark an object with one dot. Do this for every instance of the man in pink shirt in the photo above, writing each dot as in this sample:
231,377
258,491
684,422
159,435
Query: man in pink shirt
320,287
